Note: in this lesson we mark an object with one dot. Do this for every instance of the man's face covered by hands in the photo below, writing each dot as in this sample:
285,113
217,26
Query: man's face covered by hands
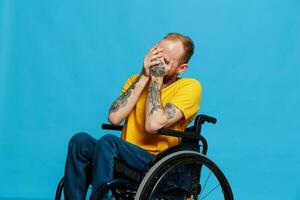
172,53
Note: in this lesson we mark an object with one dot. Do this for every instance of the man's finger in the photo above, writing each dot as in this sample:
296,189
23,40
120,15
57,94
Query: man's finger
167,58
155,62
155,46
154,57
156,51
159,48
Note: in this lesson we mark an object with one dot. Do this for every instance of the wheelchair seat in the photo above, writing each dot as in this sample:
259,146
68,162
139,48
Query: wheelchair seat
122,170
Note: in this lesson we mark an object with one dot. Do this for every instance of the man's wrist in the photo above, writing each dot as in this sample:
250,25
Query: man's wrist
157,78
143,77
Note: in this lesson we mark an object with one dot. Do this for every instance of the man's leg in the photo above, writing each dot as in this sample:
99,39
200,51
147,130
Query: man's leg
80,153
110,146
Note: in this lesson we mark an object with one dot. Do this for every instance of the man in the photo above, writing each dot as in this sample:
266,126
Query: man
156,98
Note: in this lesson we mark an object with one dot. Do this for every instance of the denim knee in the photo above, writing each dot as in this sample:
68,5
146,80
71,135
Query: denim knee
78,139
82,146
107,139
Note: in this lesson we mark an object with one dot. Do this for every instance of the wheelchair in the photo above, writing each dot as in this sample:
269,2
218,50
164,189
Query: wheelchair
182,172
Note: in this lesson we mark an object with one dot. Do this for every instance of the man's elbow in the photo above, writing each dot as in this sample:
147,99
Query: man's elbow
152,127
114,119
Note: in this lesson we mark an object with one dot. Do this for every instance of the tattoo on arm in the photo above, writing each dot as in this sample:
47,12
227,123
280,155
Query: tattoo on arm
154,97
170,111
158,70
121,101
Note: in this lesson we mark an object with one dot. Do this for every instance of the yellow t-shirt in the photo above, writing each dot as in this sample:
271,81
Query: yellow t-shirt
185,94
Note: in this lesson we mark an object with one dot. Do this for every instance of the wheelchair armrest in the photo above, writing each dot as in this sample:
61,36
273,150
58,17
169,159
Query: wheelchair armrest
201,119
182,134
112,127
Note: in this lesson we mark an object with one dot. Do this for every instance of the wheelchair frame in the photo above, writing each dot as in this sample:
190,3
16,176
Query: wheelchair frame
189,144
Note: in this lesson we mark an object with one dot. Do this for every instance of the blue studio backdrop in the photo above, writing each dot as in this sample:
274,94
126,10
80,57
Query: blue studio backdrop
62,63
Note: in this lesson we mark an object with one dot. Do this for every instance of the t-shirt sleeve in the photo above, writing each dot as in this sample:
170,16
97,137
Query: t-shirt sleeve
129,82
188,98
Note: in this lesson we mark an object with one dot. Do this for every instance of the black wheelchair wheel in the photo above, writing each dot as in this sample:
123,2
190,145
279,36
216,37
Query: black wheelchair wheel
184,175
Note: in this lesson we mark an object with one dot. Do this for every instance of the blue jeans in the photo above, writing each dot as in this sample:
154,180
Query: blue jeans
84,149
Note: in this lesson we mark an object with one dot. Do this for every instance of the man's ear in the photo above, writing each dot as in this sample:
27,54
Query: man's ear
182,68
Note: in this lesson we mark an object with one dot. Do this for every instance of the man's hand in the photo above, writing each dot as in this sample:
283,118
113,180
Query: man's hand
162,68
151,59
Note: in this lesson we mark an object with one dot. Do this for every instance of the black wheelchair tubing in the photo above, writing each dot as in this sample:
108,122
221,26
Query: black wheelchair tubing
180,157
103,189
59,189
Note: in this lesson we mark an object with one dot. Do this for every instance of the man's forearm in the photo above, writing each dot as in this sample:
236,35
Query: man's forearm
155,114
123,105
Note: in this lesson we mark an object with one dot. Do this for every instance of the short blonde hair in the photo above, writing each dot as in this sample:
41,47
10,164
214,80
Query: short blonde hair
188,45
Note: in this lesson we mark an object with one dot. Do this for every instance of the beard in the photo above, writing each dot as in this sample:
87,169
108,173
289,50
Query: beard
170,77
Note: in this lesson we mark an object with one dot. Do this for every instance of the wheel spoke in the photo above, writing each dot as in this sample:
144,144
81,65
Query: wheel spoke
211,191
205,183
